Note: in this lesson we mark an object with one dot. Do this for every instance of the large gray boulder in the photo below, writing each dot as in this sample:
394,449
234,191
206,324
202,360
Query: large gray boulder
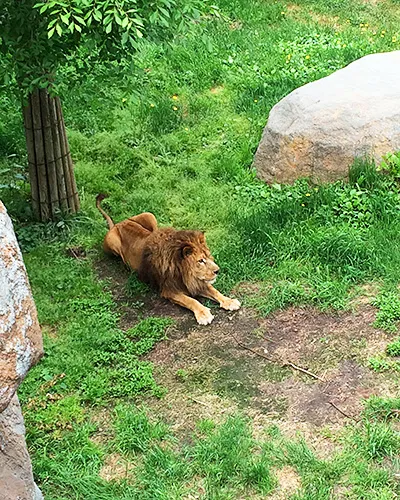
20,347
319,129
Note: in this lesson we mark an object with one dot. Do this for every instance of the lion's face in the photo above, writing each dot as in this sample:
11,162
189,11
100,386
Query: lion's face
198,263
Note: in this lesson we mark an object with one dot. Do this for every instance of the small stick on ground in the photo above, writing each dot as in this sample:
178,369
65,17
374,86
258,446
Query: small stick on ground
341,411
270,340
292,365
243,346
303,370
199,402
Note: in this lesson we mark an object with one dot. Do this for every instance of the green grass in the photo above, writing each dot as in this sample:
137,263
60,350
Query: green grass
188,160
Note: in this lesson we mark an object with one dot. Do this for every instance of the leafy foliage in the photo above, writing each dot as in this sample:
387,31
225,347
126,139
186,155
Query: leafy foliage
36,37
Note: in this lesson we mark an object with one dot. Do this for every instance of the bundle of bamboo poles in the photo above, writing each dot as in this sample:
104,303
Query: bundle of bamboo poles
51,171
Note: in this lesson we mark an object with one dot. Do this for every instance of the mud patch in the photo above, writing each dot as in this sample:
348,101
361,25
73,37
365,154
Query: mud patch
239,362
213,368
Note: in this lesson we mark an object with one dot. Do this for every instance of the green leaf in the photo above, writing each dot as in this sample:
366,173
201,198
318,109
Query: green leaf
124,38
164,11
59,29
125,22
51,33
138,21
109,28
65,18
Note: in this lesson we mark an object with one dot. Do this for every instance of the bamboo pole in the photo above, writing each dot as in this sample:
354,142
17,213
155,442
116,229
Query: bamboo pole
70,162
40,157
64,155
30,146
62,190
49,152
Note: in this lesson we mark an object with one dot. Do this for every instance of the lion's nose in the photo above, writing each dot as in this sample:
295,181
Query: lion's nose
216,271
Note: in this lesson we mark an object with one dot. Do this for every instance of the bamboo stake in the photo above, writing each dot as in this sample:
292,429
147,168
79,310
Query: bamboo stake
49,152
30,146
64,155
62,190
40,157
70,162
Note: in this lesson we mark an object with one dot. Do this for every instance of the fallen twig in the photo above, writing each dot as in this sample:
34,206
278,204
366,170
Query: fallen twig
303,370
341,411
198,401
292,365
270,340
256,352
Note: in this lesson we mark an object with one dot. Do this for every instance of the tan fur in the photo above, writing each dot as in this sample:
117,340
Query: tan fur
177,263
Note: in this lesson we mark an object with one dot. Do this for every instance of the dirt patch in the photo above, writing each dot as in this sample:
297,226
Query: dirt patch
76,252
210,372
288,483
116,468
239,362
103,419
303,15
321,340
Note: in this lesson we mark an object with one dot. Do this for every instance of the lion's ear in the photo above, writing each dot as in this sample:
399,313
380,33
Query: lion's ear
186,250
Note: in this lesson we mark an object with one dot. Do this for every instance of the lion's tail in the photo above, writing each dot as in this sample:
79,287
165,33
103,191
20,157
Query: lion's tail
99,198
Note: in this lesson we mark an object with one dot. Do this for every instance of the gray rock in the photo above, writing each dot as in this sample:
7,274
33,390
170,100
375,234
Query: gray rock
16,479
21,342
319,129
20,347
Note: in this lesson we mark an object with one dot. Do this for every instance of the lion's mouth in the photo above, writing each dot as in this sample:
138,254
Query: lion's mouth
211,282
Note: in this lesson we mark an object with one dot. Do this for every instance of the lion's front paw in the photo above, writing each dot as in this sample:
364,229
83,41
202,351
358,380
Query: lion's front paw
204,316
230,304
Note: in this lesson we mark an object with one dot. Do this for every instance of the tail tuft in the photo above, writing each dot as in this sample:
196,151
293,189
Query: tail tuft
100,197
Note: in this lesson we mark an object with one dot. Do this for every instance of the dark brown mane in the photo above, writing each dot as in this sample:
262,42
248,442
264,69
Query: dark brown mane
163,265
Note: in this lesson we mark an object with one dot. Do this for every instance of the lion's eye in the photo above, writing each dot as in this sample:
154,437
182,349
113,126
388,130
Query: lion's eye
202,261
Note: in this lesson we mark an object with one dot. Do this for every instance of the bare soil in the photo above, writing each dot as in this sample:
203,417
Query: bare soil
240,362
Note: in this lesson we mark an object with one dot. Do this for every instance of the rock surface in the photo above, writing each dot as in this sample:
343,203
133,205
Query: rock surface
20,337
16,479
318,129
20,347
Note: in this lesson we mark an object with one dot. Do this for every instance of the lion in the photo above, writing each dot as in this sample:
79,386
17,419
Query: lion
177,263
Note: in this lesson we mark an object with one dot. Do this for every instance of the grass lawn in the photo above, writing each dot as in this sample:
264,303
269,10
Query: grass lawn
133,400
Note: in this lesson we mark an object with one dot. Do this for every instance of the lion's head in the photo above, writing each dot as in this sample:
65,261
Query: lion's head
178,260
198,266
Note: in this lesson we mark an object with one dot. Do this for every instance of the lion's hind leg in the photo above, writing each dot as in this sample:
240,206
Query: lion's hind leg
146,220
112,242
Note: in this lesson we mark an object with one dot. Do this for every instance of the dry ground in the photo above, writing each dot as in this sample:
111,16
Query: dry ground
246,362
